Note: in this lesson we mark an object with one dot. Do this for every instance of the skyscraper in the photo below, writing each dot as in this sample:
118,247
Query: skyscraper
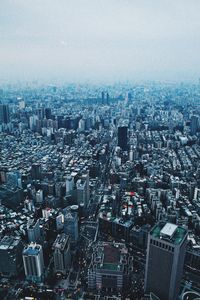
33,231
11,256
33,262
71,223
102,98
69,184
165,259
123,137
4,114
83,190
61,253
194,124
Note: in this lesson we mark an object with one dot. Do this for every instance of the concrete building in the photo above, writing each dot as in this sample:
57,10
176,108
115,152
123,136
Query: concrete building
33,262
110,267
61,253
83,190
33,231
71,223
11,256
165,259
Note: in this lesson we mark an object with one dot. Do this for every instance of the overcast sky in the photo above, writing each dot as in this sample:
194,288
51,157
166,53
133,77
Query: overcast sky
100,39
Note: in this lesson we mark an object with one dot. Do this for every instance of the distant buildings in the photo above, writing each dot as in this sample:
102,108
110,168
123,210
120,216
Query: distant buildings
110,267
33,262
4,114
10,256
165,259
61,254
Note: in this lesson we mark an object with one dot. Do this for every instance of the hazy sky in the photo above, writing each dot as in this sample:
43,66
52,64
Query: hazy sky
100,39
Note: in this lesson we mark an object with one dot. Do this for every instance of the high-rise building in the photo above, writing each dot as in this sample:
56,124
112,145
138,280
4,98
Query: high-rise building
34,231
33,262
69,185
102,98
48,113
39,196
71,222
194,124
123,138
61,253
36,171
83,190
165,259
4,114
13,179
107,99
11,256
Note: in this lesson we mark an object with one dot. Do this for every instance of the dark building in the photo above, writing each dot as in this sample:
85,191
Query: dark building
107,99
11,256
61,253
102,97
123,138
48,113
194,124
165,259
4,114
36,171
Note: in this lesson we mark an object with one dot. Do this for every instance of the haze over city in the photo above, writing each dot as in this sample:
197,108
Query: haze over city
99,40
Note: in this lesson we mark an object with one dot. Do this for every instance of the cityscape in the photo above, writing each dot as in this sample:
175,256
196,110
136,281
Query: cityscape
99,150
100,195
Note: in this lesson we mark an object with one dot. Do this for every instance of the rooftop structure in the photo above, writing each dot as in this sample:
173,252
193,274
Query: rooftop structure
173,233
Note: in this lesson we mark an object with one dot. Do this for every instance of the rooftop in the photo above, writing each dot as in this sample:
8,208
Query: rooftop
32,249
174,233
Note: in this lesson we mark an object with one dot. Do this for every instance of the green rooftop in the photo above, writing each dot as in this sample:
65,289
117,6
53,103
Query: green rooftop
174,237
109,266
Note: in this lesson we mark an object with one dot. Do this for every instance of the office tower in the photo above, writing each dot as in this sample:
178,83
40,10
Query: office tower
36,171
34,231
33,262
39,197
40,113
110,267
61,253
83,190
4,114
102,97
107,98
81,125
194,124
71,222
48,113
123,137
11,256
13,179
69,184
165,259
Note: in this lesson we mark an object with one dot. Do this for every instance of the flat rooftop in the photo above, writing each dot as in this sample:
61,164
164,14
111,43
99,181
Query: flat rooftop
174,234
